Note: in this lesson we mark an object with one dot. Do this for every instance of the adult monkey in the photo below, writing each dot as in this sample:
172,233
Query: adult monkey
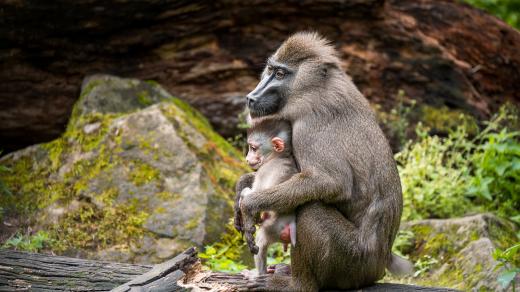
347,196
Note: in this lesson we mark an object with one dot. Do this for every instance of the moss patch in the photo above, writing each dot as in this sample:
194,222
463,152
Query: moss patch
73,176
444,120
143,173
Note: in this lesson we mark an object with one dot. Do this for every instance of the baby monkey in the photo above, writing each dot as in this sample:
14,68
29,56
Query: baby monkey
270,154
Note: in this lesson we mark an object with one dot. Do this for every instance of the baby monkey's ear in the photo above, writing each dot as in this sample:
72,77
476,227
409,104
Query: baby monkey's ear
278,144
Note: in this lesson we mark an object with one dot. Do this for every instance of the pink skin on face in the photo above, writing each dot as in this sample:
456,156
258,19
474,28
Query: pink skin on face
253,158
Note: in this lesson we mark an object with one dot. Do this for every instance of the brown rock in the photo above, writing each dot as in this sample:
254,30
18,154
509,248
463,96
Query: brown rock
210,53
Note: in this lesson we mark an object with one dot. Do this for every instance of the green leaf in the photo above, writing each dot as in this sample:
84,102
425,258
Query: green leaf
505,278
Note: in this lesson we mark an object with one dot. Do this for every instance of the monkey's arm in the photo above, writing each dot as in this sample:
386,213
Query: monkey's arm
325,175
245,181
286,197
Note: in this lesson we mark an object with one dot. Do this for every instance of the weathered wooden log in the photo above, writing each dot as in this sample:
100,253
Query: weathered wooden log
21,271
163,277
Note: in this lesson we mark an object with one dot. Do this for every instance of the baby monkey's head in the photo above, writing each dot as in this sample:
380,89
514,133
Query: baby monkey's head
266,141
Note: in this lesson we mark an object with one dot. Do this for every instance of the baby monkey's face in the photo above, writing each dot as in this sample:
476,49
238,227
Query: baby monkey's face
260,151
254,156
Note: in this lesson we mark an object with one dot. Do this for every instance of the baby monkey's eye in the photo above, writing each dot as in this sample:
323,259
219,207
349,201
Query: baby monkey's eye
253,148
279,74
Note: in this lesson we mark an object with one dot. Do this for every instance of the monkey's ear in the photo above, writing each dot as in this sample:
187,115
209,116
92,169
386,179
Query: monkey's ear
326,67
278,144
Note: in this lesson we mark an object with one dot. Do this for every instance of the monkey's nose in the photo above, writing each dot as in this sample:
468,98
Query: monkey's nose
250,99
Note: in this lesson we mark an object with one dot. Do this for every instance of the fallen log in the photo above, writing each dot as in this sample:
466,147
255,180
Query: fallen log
22,271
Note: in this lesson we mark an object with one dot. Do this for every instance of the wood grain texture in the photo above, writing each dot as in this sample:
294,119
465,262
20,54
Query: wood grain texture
21,271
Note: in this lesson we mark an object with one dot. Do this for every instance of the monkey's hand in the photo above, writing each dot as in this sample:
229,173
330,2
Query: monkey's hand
246,192
245,181
247,203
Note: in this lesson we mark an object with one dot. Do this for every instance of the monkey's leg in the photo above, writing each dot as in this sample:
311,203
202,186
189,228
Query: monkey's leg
245,181
249,231
305,260
261,258
334,251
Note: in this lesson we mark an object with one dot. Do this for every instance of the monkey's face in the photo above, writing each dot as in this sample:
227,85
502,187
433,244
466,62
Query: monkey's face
260,149
254,156
271,92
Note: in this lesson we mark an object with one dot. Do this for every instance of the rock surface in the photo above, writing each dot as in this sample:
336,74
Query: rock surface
138,176
457,253
210,53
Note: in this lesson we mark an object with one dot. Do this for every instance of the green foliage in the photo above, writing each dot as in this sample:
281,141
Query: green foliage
445,177
4,190
509,259
507,10
434,175
240,141
403,243
424,264
224,256
397,121
276,255
32,243
442,120
496,163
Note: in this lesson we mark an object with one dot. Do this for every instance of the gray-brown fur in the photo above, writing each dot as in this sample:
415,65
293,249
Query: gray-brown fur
275,168
347,195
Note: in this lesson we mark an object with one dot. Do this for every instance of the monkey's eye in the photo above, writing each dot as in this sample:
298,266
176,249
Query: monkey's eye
253,148
279,74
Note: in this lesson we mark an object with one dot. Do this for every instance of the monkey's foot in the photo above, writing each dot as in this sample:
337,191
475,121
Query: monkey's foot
280,269
249,274
268,283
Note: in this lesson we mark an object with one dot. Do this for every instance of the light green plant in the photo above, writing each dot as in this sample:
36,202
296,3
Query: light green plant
434,175
449,176
276,255
507,10
224,256
496,164
508,259
32,243
403,243
424,264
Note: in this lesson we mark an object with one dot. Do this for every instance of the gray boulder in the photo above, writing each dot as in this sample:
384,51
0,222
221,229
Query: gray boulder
458,252
137,176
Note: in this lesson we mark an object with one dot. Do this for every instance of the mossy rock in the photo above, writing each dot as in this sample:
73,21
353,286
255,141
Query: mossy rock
137,176
457,252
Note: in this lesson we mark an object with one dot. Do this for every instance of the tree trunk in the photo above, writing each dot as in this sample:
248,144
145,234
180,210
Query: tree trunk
23,271
210,53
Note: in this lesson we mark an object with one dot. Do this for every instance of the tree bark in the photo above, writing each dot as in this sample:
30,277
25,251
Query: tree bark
210,53
23,271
